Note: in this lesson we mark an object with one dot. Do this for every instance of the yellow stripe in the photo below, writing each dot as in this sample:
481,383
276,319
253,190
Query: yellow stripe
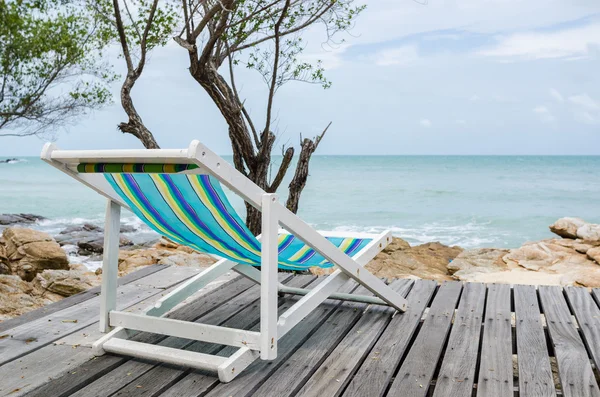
300,253
174,205
118,178
128,168
201,193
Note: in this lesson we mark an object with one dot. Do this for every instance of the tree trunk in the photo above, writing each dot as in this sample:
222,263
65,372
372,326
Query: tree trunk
250,162
300,175
135,126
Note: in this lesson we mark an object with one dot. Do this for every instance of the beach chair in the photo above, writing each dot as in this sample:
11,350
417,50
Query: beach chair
178,193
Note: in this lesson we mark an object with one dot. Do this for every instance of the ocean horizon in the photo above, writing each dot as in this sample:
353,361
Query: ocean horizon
472,201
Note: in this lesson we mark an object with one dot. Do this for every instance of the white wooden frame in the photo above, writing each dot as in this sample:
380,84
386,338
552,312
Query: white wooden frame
252,345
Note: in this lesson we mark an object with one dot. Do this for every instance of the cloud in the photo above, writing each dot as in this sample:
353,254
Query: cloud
586,109
461,122
571,43
556,95
396,56
544,114
474,98
426,123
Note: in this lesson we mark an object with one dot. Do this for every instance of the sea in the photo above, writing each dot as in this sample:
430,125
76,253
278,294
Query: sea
470,201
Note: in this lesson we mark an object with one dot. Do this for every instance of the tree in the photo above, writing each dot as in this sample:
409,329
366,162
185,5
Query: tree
222,35
50,66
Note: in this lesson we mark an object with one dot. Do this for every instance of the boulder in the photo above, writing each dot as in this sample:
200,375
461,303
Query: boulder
594,254
554,264
96,244
65,282
567,227
11,219
482,260
18,297
400,260
589,232
86,227
130,260
29,252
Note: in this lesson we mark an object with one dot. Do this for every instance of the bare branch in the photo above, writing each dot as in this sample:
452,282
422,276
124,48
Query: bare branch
122,36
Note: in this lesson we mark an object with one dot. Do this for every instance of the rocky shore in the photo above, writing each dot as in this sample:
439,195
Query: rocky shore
36,269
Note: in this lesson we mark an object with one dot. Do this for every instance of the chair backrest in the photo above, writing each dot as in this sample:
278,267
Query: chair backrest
192,209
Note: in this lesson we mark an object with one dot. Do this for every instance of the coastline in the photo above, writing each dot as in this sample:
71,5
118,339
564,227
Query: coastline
37,268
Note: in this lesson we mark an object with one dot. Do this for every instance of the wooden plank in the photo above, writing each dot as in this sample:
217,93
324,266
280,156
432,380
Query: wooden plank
416,372
39,333
326,314
535,374
457,373
574,368
152,374
89,371
162,377
333,374
75,299
256,373
56,359
374,375
496,366
587,314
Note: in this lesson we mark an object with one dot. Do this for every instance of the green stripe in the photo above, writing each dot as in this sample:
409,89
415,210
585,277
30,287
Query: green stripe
118,168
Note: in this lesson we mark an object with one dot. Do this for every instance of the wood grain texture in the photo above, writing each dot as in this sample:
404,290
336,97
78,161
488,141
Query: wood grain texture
154,377
535,373
247,381
587,314
457,373
333,362
415,374
59,358
38,333
496,366
375,373
574,368
98,375
75,299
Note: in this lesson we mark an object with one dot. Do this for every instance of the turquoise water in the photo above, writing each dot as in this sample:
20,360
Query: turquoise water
471,201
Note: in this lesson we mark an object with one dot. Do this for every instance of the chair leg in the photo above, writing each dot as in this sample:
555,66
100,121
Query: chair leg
110,263
268,279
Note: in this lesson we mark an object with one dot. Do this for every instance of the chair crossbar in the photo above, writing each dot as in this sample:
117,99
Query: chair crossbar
186,329
373,300
165,354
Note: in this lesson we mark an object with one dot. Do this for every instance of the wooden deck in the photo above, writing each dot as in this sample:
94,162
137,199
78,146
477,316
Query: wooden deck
455,340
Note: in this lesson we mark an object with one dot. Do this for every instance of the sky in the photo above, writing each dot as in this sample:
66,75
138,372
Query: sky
455,77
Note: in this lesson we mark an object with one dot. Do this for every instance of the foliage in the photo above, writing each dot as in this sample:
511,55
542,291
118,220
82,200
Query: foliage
50,66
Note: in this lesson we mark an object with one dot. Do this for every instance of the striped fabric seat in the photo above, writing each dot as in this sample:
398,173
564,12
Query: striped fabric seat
193,210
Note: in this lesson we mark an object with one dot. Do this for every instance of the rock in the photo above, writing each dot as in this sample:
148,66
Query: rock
11,219
400,260
127,229
594,254
589,232
578,245
96,244
18,297
475,261
130,260
554,264
65,282
86,227
567,227
29,252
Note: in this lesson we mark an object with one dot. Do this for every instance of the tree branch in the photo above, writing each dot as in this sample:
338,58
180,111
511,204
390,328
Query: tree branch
122,37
